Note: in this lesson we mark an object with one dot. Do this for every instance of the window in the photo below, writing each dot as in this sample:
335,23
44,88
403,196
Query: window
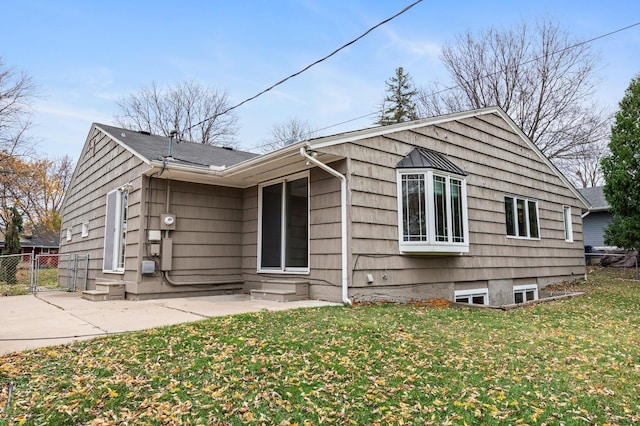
284,226
44,250
85,229
521,217
568,227
69,234
432,210
525,293
115,230
478,296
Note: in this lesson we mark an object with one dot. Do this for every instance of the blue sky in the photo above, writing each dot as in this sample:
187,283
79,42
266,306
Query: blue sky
84,55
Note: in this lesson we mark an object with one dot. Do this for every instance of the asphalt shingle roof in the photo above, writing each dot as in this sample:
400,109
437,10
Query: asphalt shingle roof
596,197
155,147
38,238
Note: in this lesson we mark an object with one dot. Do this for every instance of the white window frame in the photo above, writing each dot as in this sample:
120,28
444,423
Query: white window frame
283,269
568,224
524,289
526,200
114,257
470,294
69,234
430,245
85,229
45,250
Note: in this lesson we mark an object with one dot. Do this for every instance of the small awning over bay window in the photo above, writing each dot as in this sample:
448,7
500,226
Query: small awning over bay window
422,158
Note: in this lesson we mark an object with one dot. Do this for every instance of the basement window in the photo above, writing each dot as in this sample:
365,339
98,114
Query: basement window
432,204
477,296
525,293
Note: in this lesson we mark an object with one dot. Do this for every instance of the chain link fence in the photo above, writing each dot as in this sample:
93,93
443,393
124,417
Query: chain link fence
15,269
22,273
72,271
66,272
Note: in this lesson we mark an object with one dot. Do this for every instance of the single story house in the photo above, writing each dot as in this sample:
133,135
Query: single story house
596,218
462,207
36,242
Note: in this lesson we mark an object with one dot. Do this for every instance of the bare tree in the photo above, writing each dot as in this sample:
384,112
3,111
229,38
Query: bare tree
17,92
581,163
584,170
286,133
59,174
542,78
197,112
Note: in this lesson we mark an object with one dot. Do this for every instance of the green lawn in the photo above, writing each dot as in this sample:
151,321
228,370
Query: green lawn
574,361
47,279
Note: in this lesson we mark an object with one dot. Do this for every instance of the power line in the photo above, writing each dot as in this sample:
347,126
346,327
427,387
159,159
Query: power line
345,122
446,89
344,46
323,128
591,40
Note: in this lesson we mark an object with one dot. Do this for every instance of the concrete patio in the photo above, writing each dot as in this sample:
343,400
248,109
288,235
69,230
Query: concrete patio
53,318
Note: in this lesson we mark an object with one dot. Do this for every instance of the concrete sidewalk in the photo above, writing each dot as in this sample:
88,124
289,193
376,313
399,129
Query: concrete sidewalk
53,318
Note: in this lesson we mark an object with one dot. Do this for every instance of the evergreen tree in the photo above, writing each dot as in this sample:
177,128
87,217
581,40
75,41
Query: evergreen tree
621,171
399,104
12,246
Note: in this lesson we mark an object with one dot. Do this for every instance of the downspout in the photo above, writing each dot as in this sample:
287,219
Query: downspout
343,219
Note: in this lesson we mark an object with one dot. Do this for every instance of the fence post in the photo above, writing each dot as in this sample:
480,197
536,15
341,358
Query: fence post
33,279
86,272
74,279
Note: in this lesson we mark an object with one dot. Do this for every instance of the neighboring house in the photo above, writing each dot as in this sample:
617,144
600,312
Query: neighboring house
596,218
36,242
462,207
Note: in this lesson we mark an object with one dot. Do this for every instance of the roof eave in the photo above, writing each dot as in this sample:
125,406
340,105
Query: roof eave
248,173
599,209
327,141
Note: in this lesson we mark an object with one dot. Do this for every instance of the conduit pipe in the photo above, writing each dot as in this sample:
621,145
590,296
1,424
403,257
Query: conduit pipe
174,283
166,275
343,219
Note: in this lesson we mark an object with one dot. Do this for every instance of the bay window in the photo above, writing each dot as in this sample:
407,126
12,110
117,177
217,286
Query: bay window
432,212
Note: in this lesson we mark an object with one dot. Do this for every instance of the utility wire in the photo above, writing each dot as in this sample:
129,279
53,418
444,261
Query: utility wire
591,40
446,89
307,134
344,46
345,122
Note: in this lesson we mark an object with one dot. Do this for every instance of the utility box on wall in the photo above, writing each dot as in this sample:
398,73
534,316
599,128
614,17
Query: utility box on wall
148,267
167,255
154,235
167,222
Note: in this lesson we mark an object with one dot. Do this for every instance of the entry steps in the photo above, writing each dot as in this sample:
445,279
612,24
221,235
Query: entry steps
281,291
105,290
